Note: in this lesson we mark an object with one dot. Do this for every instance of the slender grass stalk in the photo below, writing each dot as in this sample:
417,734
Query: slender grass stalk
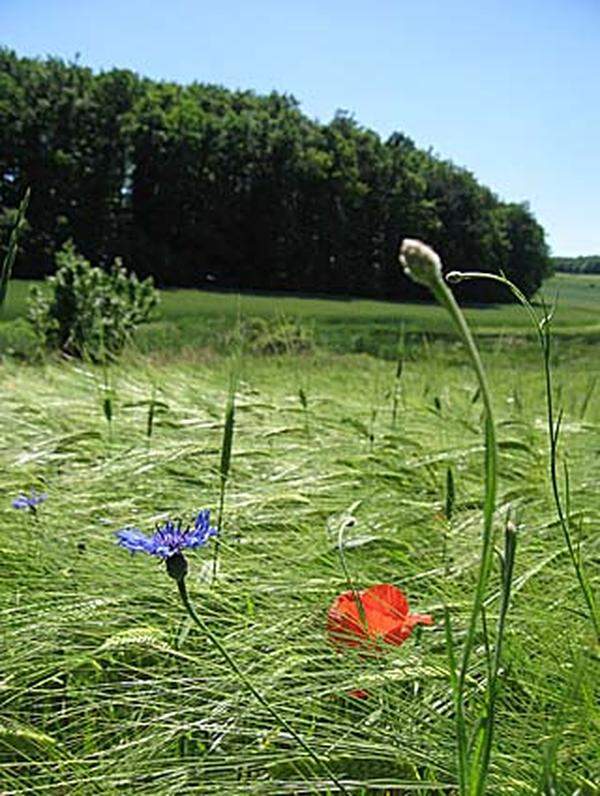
11,253
151,414
304,404
423,265
450,494
224,466
548,784
508,563
344,524
588,397
398,377
542,327
227,657
107,396
448,512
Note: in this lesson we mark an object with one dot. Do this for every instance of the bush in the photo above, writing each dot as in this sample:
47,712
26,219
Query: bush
159,336
87,311
276,336
18,340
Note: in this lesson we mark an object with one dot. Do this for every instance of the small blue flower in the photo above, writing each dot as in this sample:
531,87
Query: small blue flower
24,502
168,539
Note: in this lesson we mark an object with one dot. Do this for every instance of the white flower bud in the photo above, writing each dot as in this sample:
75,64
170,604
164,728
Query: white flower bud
420,262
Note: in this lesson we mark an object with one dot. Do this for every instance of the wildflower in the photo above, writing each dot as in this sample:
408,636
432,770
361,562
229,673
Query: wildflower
385,616
31,502
169,540
358,693
420,262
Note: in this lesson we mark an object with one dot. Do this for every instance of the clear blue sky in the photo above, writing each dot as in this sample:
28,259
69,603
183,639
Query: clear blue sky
508,88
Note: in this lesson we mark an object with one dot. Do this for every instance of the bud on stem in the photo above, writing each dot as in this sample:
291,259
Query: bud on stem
421,263
177,567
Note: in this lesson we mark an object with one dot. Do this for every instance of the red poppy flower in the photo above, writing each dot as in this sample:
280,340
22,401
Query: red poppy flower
358,693
386,617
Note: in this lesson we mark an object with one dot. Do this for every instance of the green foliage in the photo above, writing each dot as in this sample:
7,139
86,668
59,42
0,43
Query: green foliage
201,186
192,319
8,260
577,265
89,312
17,339
279,335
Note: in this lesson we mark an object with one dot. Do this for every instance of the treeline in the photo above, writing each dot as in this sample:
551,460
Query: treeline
577,265
202,186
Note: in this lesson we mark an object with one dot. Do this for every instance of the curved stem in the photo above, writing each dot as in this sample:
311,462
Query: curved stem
543,331
446,298
251,687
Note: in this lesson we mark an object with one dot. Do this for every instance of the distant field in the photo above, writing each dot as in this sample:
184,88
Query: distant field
194,317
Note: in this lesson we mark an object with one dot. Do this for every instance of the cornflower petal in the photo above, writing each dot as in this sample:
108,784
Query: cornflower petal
24,502
169,539
134,540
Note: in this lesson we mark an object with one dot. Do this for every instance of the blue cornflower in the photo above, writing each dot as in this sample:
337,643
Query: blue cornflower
169,540
31,502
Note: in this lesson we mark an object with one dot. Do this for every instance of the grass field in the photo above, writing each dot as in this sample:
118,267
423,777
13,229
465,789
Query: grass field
194,318
107,688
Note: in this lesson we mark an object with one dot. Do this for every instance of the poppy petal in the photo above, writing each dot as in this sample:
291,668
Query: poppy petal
385,611
358,693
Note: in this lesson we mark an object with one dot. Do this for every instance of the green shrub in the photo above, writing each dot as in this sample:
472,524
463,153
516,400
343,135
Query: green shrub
17,339
159,336
87,311
276,336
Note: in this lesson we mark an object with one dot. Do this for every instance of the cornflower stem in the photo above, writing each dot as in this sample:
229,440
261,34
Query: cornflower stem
227,657
543,332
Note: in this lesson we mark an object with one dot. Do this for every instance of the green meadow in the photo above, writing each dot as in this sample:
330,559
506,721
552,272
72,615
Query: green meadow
192,318
349,417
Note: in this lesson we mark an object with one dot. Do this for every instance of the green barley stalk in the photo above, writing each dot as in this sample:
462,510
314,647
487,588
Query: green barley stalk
542,327
245,680
450,494
225,464
398,377
151,414
13,241
482,760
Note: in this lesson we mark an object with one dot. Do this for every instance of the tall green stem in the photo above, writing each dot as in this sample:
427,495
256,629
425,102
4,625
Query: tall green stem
252,688
543,332
446,298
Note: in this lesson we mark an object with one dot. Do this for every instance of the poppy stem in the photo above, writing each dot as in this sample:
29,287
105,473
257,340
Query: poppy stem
281,721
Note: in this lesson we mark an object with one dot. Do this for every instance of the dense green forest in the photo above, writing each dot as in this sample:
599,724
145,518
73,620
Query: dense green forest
577,265
201,186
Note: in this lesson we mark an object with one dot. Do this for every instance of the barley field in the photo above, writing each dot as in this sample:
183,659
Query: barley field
344,465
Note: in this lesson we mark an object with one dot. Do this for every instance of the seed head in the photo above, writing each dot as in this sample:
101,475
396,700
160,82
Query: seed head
420,262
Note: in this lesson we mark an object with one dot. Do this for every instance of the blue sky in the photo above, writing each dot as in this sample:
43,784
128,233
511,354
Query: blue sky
508,88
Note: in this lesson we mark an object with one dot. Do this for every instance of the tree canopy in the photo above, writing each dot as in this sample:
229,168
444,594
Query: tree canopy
587,264
205,187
